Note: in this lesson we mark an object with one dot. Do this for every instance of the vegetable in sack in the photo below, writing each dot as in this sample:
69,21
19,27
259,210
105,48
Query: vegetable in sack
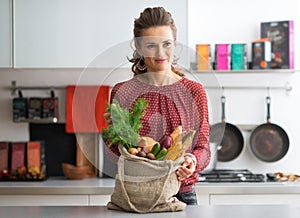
161,154
155,149
166,141
125,124
176,133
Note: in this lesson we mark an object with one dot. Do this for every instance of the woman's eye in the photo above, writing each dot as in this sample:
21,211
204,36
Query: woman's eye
151,46
167,44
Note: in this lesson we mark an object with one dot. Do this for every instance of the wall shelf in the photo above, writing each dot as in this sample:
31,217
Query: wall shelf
41,120
250,71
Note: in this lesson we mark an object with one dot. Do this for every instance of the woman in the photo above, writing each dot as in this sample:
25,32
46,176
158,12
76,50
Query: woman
172,99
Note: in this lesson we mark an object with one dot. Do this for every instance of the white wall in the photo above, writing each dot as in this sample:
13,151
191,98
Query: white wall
211,22
235,21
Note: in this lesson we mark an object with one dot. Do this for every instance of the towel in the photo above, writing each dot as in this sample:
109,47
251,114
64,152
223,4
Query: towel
85,108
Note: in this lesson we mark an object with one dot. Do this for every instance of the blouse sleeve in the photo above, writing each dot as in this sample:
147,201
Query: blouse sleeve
201,149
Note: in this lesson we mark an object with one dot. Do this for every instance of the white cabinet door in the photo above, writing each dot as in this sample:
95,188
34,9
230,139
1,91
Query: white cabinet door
44,200
254,199
99,200
5,36
71,33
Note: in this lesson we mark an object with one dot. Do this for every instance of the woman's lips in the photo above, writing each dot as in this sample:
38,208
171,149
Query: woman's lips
161,60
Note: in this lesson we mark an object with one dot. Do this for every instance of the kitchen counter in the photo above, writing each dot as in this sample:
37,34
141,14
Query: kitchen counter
60,185
237,211
97,191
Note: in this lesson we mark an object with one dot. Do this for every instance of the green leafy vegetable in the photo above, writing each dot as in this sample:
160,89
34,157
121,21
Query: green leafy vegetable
126,124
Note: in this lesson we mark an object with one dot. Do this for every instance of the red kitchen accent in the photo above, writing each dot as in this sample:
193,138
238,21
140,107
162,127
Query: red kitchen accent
85,108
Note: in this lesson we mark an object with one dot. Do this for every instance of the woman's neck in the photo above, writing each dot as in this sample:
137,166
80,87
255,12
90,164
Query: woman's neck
160,78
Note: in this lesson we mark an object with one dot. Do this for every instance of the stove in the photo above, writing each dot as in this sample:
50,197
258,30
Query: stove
224,175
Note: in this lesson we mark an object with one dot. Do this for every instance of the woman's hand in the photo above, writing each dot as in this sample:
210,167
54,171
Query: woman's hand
187,168
107,118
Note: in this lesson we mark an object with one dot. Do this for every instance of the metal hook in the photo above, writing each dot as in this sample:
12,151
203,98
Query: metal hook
223,90
52,94
268,91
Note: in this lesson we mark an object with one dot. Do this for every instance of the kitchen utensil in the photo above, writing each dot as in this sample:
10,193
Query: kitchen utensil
75,172
269,142
228,136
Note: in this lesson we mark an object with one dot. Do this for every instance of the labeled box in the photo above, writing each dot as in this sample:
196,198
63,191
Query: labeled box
35,108
36,159
19,109
281,34
50,108
203,57
4,146
261,54
17,155
222,56
238,56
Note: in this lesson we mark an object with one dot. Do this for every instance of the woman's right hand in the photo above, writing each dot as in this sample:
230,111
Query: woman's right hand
107,118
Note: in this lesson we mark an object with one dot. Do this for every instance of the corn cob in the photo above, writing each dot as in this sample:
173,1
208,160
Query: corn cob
178,148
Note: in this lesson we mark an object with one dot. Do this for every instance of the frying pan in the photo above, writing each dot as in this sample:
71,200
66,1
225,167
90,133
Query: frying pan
228,136
269,142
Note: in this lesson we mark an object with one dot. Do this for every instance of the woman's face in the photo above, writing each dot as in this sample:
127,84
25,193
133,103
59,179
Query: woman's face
157,46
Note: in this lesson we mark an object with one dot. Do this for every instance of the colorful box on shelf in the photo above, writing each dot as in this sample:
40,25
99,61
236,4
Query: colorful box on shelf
239,56
22,161
35,108
203,57
261,54
222,56
281,34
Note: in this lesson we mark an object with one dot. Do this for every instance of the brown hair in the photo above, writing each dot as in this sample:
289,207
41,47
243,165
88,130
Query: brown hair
151,17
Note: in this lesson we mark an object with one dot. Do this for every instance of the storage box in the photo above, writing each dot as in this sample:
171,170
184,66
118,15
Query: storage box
222,56
17,155
4,155
261,54
36,161
281,34
203,57
35,108
50,108
19,109
238,56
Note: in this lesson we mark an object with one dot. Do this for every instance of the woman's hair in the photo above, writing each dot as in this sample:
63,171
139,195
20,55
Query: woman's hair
151,17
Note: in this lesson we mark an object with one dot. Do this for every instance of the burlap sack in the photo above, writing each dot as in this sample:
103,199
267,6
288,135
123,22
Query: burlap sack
143,185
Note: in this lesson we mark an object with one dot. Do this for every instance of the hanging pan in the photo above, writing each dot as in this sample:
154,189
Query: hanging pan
228,136
269,142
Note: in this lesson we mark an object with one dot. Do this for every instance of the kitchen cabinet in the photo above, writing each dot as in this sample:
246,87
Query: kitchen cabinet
99,200
253,199
44,200
72,33
248,193
97,192
54,200
6,36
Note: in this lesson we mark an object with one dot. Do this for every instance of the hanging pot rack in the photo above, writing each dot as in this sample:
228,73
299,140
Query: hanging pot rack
287,87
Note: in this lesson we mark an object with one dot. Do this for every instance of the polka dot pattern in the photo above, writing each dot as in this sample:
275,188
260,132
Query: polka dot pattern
181,103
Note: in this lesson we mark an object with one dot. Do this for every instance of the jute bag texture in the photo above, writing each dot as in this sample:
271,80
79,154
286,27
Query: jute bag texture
144,186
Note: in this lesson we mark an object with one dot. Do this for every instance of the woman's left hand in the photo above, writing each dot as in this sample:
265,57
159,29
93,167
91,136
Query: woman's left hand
187,168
